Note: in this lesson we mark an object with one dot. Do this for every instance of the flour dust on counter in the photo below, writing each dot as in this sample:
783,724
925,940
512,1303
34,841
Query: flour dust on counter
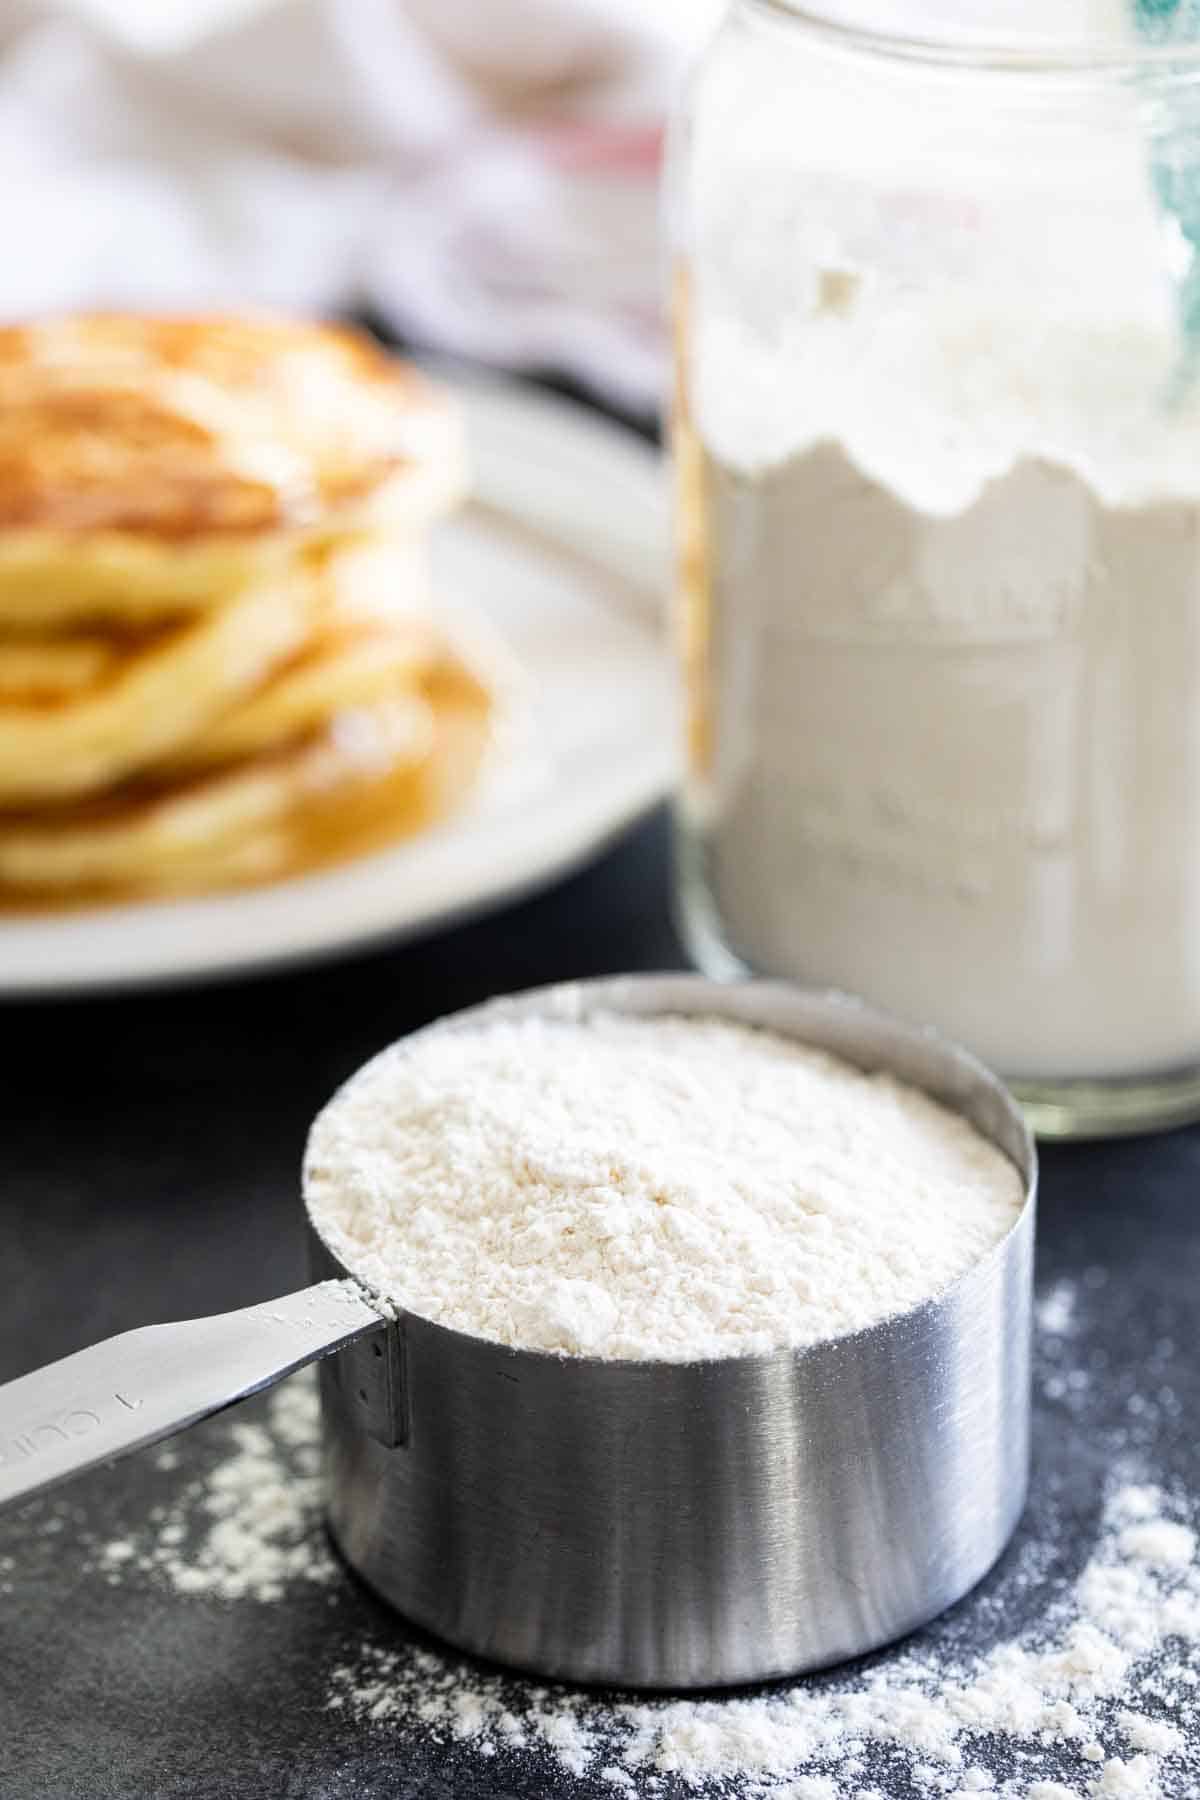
1072,1674
1098,1700
248,1528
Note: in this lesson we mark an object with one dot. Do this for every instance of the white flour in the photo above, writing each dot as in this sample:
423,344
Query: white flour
1095,1697
662,1187
958,768
942,509
248,1530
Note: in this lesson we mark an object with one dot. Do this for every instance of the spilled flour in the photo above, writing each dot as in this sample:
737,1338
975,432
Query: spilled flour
1090,1689
251,1527
1094,1702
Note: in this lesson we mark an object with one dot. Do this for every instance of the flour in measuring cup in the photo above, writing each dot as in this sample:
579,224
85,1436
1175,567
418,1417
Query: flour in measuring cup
667,1188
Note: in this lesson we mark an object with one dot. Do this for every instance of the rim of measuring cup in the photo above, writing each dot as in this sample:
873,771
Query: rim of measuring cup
669,993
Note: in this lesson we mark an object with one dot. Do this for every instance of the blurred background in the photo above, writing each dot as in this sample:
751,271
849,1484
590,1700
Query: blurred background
477,176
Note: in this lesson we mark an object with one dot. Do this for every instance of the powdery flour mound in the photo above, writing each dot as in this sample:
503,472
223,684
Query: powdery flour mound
665,1188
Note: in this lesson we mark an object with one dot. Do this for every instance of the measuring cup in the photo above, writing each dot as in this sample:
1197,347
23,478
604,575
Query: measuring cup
642,1524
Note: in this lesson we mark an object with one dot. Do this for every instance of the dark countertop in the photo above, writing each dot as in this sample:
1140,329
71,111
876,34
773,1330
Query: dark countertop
150,1156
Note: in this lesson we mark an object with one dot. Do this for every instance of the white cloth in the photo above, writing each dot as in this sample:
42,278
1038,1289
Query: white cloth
481,172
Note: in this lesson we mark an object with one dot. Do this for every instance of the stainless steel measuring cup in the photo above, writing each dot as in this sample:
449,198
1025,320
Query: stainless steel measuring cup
637,1523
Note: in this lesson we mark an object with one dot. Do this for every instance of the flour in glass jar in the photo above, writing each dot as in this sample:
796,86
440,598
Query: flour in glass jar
1080,1683
972,786
939,459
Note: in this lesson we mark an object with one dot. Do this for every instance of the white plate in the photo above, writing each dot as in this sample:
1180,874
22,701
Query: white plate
564,550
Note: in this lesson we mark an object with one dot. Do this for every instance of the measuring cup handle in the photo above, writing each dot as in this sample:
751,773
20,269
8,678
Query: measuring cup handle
131,1390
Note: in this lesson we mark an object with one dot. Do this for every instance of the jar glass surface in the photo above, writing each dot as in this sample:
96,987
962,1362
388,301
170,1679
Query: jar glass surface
937,451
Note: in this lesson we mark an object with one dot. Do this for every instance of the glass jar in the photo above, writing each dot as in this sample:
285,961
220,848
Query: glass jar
937,449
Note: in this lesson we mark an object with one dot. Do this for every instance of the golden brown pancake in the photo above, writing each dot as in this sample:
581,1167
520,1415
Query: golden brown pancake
343,666
52,668
372,637
165,689
148,464
370,776
219,661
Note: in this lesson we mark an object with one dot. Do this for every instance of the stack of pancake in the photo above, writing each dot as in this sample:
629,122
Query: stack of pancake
218,658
